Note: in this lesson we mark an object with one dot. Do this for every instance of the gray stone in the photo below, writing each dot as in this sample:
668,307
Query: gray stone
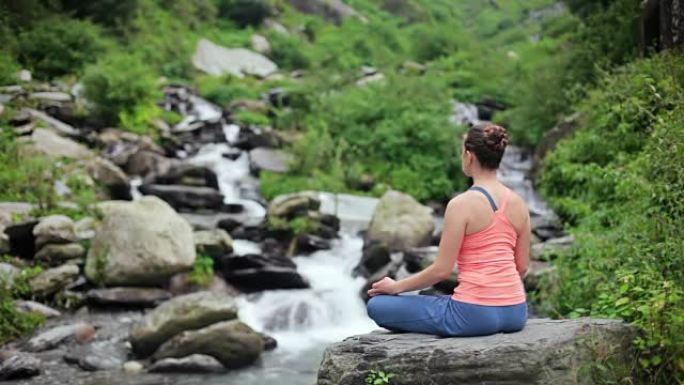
132,367
24,75
400,222
269,159
7,274
182,283
537,273
194,363
186,197
135,297
52,338
139,243
53,123
331,10
545,352
232,343
187,312
260,44
51,96
98,355
35,307
55,254
552,247
53,280
213,243
19,366
148,164
378,77
290,205
54,229
216,60
85,228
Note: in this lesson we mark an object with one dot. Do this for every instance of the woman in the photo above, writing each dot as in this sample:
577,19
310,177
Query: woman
487,232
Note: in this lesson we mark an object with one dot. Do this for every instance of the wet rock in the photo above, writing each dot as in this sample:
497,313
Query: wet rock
53,280
187,312
546,352
292,205
216,60
268,159
389,270
400,222
374,256
55,254
251,137
142,243
98,355
332,10
148,165
186,197
21,238
232,343
58,335
417,259
19,366
260,44
54,229
35,307
119,146
552,247
270,343
254,272
213,243
183,284
7,274
189,175
194,363
308,243
127,297
228,224
133,367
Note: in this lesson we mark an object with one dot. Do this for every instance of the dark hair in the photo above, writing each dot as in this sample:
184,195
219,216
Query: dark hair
488,142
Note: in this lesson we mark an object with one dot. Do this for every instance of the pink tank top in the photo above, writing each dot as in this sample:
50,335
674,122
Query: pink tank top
486,264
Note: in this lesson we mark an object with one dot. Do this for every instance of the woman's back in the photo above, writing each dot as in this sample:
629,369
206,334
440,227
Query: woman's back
487,272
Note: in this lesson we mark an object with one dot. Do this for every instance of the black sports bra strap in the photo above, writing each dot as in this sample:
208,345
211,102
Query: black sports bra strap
486,194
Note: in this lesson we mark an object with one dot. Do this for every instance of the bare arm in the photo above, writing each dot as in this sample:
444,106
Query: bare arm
522,247
449,246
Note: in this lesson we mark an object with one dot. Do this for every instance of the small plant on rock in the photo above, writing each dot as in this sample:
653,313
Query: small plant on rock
378,377
202,270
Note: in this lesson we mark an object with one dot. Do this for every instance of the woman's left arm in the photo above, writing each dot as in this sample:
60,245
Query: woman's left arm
441,268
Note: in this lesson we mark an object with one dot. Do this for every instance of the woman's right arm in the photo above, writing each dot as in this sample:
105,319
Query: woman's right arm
522,245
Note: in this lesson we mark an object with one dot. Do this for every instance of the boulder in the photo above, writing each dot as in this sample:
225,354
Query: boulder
53,280
309,243
400,222
85,228
194,363
56,254
268,159
51,122
54,229
183,284
216,60
292,205
260,44
187,312
127,297
552,247
537,273
35,307
119,146
545,352
254,272
213,243
52,338
186,197
374,256
98,355
142,243
19,366
148,164
7,274
133,367
232,343
331,10
189,175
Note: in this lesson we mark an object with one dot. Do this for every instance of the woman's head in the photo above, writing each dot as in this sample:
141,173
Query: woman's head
484,143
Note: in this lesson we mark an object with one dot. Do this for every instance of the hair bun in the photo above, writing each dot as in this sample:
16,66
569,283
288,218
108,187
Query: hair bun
496,137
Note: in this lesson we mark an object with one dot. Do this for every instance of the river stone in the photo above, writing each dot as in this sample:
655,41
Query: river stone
85,228
19,366
232,343
268,159
545,352
53,280
139,243
148,164
194,363
552,247
291,205
260,44
213,243
53,123
54,229
255,272
189,175
331,10
98,355
52,338
400,222
217,60
35,307
186,312
55,254
134,297
182,283
186,197
7,274
133,367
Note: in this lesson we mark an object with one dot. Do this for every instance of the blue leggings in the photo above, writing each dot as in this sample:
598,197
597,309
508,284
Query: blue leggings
444,316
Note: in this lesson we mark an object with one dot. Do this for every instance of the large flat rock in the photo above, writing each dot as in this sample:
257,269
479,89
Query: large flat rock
545,352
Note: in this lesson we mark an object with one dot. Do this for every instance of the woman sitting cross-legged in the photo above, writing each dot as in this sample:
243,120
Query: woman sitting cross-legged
487,232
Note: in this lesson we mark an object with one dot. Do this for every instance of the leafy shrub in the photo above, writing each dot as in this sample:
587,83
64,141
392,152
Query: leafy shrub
619,181
13,323
58,45
121,85
202,270
287,51
244,12
8,70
